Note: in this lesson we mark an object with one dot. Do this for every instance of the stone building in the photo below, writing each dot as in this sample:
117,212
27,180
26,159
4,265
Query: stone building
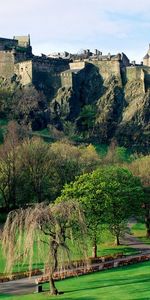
16,58
50,73
146,59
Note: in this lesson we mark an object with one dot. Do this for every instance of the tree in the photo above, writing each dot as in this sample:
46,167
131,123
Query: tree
70,161
50,226
108,195
9,171
35,162
125,198
116,155
29,107
86,188
141,168
86,120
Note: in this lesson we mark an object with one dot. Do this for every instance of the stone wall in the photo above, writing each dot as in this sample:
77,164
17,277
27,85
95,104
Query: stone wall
146,61
47,72
6,64
7,44
134,73
24,72
78,65
67,79
108,68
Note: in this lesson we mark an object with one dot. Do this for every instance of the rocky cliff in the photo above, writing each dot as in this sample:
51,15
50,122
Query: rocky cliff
98,109
106,109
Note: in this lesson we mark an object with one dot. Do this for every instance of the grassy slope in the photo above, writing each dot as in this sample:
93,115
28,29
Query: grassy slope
131,282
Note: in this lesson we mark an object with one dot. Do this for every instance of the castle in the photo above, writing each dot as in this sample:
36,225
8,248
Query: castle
62,70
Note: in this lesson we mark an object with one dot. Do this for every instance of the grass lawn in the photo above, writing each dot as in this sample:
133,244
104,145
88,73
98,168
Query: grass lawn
104,248
139,230
131,282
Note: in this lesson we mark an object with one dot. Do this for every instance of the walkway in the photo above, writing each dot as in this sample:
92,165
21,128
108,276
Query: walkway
28,286
18,287
135,243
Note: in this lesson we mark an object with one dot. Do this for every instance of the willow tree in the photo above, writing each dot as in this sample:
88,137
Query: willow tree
50,227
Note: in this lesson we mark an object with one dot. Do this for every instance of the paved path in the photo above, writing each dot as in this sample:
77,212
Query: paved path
135,243
28,286
18,287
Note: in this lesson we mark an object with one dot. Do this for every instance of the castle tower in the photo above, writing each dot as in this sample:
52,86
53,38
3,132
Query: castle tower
146,59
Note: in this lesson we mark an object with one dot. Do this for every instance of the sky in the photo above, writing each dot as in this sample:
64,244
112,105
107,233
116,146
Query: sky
113,26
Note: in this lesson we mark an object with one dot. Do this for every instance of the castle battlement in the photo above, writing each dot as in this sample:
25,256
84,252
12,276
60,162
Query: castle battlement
16,58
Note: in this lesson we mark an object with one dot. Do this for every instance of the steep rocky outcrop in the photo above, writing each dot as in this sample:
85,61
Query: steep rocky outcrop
134,128
109,110
121,111
99,109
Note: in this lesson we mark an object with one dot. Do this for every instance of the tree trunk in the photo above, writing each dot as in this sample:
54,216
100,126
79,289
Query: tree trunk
148,233
117,240
53,288
147,223
54,249
94,249
147,220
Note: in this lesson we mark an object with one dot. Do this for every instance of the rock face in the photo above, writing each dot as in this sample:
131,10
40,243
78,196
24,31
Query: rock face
121,111
134,128
99,109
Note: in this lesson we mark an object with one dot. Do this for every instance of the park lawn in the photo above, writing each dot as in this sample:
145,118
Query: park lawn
20,267
139,230
104,248
131,282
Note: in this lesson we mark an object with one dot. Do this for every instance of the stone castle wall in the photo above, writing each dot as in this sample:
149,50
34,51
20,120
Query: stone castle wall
57,72
6,64
108,68
134,73
7,44
77,65
48,71
67,79
24,71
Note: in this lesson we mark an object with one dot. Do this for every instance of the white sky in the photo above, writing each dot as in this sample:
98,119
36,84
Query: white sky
111,26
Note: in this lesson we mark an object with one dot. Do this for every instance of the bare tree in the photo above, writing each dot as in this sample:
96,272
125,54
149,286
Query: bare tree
50,226
9,167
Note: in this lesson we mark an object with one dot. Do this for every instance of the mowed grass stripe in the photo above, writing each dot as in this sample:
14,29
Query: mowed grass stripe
131,282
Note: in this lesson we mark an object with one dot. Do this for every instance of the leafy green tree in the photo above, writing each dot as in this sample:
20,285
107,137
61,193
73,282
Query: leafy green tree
116,155
87,118
70,161
125,199
109,195
141,168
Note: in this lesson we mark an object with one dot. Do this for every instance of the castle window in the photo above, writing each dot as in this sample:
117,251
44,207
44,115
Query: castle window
21,69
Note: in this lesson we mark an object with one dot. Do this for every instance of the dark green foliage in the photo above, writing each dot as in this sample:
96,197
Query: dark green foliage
109,195
86,120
